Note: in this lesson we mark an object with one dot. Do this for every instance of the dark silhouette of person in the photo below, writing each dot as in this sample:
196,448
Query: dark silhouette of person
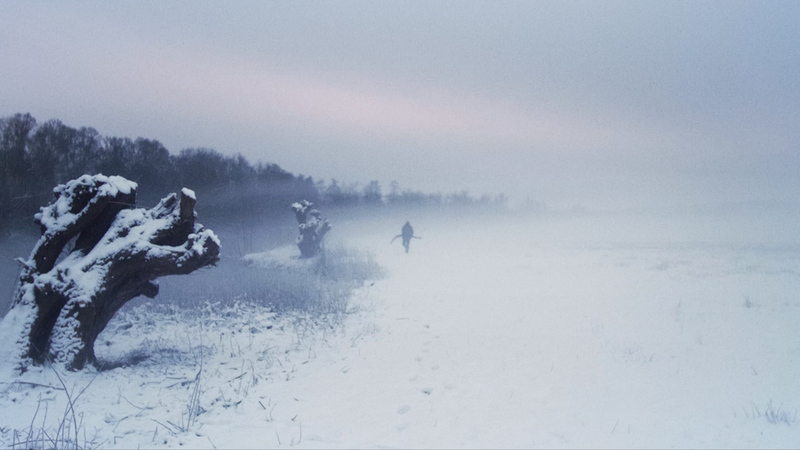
407,233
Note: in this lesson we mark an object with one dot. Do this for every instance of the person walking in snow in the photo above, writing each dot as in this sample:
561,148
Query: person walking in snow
407,233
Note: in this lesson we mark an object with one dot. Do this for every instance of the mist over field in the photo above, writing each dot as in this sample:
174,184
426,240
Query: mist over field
733,227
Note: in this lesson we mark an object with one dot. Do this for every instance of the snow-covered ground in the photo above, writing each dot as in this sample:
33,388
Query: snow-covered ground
531,333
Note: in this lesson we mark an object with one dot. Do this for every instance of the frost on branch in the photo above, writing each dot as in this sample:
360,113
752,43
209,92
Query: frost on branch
312,228
65,301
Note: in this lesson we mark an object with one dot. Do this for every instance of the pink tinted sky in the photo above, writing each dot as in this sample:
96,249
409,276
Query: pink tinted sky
568,102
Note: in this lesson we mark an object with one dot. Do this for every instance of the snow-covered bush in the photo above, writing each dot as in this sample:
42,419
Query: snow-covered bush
313,228
114,253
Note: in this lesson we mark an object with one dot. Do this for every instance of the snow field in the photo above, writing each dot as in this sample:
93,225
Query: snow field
520,343
528,334
241,354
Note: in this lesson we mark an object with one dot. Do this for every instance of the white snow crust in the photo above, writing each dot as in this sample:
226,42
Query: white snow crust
57,215
189,193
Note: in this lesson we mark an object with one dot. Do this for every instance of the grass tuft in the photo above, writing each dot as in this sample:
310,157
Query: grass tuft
67,433
773,415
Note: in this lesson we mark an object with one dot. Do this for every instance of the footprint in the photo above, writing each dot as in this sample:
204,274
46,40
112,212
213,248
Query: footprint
403,409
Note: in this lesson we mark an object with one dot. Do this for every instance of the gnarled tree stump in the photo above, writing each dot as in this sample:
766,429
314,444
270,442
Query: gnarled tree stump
64,302
313,228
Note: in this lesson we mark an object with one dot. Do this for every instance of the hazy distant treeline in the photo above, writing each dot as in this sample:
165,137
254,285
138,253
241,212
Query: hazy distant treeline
36,157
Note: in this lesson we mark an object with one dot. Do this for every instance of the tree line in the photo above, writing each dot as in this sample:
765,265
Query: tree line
35,157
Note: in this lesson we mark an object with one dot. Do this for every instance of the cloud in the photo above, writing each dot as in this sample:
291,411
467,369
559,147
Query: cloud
586,94
180,82
296,100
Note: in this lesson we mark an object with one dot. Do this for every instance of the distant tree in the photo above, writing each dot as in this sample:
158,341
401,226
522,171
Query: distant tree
532,206
394,192
321,188
305,187
337,194
117,157
85,155
408,197
150,164
33,159
50,149
372,193
14,164
269,173
239,170
201,168
14,132
459,199
333,193
500,200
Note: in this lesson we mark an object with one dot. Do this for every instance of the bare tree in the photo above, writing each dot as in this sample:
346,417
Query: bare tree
65,300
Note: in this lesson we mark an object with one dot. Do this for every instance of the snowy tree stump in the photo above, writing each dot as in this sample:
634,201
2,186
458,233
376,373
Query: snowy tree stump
312,228
67,296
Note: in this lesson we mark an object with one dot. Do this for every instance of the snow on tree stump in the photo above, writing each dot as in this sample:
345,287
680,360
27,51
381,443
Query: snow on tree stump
64,302
312,228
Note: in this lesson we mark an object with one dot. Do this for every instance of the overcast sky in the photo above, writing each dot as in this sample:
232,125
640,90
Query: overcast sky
613,103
